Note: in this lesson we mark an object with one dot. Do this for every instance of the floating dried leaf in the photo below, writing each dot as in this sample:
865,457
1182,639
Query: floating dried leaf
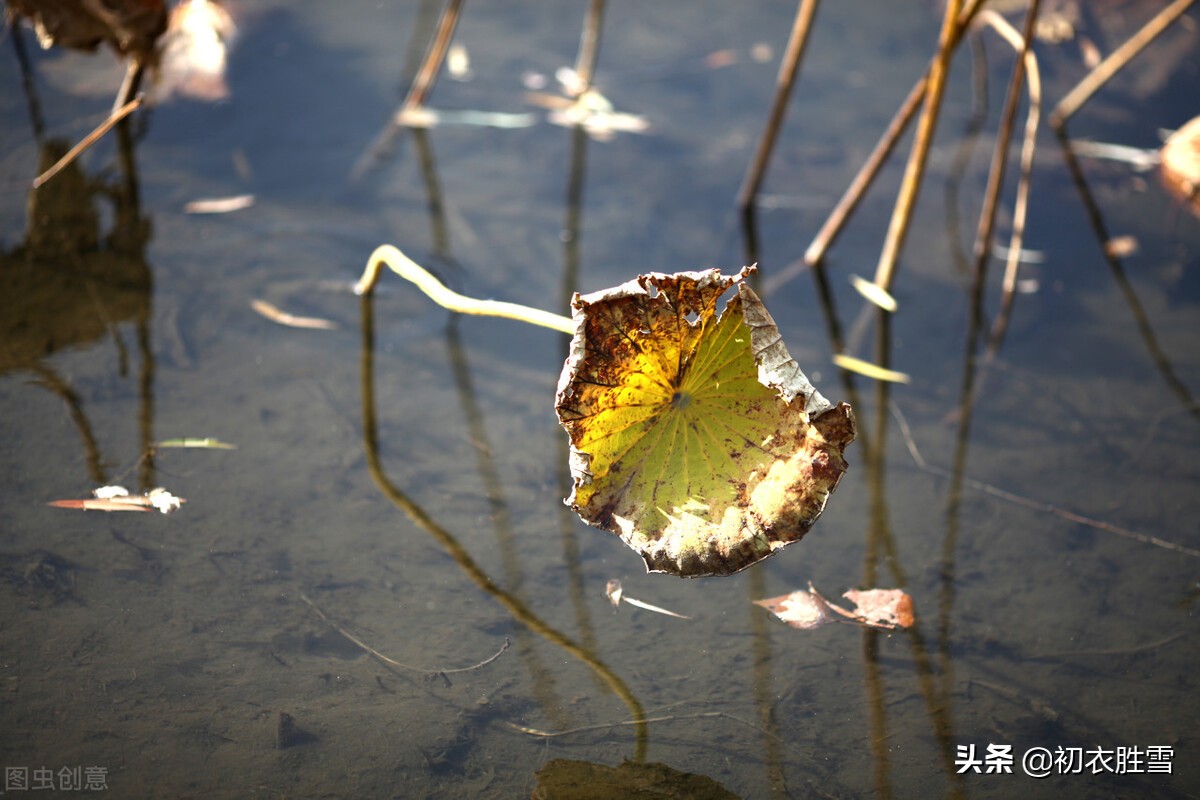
117,498
869,370
883,609
204,444
800,609
695,437
276,314
887,608
219,205
874,293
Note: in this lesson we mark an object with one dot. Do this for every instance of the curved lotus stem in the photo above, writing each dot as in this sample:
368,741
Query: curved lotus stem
410,270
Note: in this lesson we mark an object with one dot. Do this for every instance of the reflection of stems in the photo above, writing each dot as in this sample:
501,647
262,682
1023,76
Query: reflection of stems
433,192
514,605
408,269
957,170
763,689
983,235
1135,306
146,470
1008,117
881,545
1115,62
789,67
129,236
1021,205
836,341
877,715
568,525
498,512
419,91
31,97
91,450
879,538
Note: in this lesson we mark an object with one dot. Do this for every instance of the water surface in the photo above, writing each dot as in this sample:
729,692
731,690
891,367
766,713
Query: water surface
407,477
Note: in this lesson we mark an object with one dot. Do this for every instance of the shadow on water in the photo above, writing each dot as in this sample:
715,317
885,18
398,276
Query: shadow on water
510,600
69,284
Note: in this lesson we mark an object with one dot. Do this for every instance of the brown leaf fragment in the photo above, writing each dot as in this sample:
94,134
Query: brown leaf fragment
278,315
882,608
613,590
129,26
801,609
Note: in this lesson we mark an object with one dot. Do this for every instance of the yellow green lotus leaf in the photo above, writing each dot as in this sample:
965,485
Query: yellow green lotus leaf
694,437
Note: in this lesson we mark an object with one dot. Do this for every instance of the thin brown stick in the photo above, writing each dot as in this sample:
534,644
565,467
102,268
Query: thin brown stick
854,193
589,45
1115,62
391,662
89,140
1008,117
418,92
1021,205
914,172
426,76
857,189
789,68
1035,505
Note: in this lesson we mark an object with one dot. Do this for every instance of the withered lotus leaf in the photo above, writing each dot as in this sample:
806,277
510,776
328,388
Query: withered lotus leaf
695,437
884,608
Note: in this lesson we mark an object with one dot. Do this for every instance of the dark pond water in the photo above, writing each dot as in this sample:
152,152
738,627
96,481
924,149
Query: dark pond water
405,475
